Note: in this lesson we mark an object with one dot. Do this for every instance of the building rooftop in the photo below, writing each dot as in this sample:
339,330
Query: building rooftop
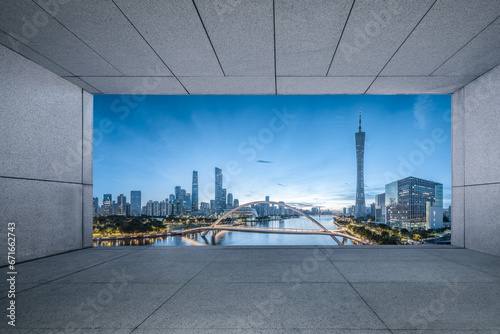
308,289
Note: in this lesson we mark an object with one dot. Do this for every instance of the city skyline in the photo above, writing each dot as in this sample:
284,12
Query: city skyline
295,148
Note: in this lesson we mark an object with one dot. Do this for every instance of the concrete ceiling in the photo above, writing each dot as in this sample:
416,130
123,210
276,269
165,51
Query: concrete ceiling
257,46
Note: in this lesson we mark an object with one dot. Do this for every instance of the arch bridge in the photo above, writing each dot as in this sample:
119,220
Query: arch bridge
334,234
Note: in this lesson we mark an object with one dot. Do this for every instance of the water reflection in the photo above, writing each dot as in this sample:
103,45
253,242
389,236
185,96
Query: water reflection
231,238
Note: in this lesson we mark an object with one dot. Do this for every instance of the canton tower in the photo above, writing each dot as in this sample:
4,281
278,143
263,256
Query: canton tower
359,209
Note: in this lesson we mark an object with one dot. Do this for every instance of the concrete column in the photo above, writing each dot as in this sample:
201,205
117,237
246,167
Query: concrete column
476,164
45,160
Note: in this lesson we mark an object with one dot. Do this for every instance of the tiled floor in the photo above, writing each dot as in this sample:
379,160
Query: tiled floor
348,289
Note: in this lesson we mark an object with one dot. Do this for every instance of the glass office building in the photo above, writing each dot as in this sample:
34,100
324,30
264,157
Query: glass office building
408,200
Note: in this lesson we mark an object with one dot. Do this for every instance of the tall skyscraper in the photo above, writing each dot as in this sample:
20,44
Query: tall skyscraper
229,203
107,205
95,205
360,207
224,199
122,205
218,190
135,203
236,203
194,192
411,202
177,193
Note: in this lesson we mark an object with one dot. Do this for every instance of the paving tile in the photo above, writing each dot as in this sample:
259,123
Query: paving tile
262,331
391,254
53,267
264,305
271,254
463,255
121,305
434,305
145,271
411,271
279,272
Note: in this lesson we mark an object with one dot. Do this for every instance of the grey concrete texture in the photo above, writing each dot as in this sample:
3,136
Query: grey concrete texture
480,234
48,217
301,51
87,214
87,138
122,45
458,138
323,85
40,122
458,216
242,36
483,49
348,290
395,41
375,28
24,50
482,129
175,32
425,50
147,85
85,86
417,84
229,85
33,26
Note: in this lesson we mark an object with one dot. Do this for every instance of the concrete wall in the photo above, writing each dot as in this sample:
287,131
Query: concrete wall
476,164
45,160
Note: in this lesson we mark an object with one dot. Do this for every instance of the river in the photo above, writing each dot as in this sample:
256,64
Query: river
230,238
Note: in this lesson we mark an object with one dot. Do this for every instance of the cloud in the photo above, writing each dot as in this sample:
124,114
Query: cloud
263,162
421,108
300,204
279,184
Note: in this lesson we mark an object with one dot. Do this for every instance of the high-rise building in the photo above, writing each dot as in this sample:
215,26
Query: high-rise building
229,203
187,202
155,209
107,205
194,192
121,205
204,207
177,193
411,201
212,205
236,203
95,205
224,199
218,190
267,198
172,198
359,210
380,207
182,196
149,208
135,203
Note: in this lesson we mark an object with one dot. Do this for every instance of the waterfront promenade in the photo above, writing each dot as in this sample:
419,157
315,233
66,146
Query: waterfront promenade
236,289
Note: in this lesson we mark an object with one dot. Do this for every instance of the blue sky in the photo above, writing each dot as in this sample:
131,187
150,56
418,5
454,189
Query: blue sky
297,149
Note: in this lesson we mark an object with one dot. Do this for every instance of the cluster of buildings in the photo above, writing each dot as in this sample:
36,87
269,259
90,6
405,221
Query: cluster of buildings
409,203
179,203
